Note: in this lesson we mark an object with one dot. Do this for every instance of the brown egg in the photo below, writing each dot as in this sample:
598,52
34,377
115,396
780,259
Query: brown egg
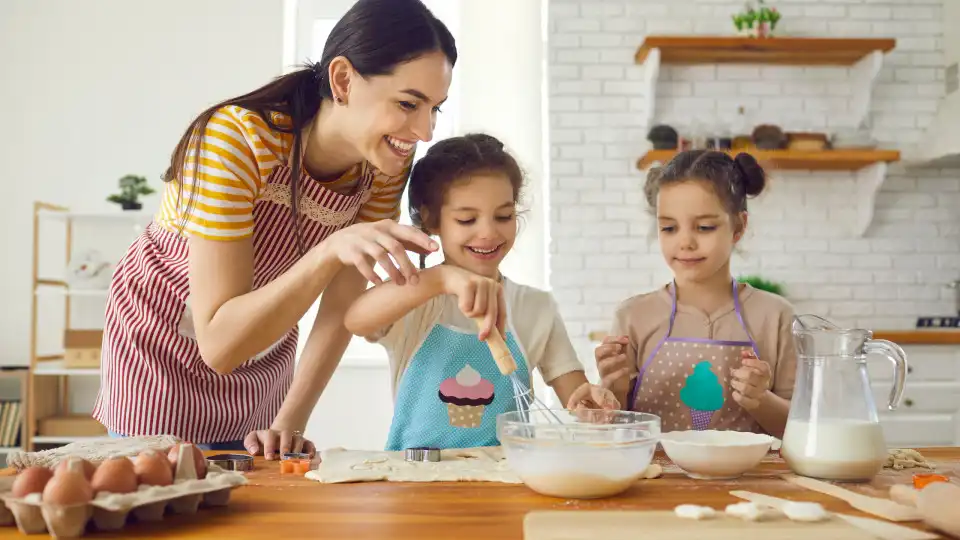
153,469
88,468
199,461
115,475
66,488
31,480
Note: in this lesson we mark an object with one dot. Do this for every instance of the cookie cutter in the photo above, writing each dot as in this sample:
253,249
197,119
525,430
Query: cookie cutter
232,462
422,454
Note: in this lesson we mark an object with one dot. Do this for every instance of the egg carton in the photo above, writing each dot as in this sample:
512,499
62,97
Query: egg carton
93,450
109,511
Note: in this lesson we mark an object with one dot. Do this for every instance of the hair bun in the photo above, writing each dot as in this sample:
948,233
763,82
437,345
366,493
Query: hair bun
752,175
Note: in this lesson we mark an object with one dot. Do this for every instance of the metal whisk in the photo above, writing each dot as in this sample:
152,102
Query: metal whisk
522,394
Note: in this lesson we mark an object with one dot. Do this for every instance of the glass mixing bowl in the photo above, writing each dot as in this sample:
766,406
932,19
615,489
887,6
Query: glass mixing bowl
586,455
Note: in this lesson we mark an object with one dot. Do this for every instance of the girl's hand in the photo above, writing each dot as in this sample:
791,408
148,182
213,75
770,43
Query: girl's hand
751,381
478,297
273,443
591,396
612,359
384,242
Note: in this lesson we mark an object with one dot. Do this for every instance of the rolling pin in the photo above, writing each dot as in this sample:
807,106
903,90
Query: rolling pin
498,348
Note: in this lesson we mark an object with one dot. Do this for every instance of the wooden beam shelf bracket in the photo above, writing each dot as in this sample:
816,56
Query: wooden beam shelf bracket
869,180
865,74
651,75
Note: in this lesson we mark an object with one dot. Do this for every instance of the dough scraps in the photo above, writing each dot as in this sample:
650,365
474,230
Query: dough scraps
805,511
750,511
693,511
486,464
904,458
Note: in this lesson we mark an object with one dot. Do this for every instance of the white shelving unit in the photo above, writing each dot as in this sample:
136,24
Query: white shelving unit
48,378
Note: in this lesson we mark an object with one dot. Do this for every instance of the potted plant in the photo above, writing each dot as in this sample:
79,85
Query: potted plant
131,188
756,20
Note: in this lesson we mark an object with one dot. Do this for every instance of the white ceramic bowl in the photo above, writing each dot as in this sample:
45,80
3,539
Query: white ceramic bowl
715,455
590,455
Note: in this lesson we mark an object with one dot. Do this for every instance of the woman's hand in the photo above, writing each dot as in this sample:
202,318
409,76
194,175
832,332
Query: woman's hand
478,297
273,443
384,242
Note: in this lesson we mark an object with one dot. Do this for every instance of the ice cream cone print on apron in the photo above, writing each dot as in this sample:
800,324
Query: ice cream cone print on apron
686,381
452,391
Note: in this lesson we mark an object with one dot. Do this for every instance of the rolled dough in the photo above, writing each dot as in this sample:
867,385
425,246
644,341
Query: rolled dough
486,464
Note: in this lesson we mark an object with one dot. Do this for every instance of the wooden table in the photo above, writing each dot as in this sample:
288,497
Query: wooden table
274,506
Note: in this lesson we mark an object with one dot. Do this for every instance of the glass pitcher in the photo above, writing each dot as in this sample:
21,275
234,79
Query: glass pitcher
832,431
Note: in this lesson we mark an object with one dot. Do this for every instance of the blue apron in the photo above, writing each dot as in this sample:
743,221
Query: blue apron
452,391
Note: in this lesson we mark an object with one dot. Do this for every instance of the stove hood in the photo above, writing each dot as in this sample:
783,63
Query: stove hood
940,144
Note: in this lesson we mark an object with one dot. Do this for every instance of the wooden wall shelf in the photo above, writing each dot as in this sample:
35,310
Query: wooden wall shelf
920,337
776,50
792,160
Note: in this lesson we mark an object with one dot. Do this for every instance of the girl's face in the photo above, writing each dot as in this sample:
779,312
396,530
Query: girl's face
389,114
478,223
697,234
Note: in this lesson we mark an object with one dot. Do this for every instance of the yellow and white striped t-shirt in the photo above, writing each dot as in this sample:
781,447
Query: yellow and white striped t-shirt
238,153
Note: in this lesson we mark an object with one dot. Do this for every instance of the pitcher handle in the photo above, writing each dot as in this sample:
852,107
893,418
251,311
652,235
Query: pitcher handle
899,358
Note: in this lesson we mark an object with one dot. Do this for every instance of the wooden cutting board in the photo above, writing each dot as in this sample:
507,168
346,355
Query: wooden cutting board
662,525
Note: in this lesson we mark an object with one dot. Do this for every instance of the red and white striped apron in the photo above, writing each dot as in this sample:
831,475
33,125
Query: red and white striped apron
153,380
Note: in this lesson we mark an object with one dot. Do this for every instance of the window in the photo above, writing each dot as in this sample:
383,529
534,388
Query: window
316,19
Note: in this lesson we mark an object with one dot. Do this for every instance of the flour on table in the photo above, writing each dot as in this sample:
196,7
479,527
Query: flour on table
486,464
899,459
693,511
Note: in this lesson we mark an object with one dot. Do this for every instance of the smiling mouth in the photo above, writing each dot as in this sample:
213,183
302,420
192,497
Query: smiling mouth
691,261
484,253
401,148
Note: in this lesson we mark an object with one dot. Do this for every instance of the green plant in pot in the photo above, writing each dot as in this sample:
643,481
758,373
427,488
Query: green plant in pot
132,187
763,284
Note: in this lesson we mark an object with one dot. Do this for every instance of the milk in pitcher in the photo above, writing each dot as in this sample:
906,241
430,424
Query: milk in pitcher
834,449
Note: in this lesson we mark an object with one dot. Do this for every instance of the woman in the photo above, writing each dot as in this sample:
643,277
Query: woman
201,324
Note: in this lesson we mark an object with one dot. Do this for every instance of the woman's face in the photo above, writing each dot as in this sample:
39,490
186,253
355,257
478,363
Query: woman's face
387,115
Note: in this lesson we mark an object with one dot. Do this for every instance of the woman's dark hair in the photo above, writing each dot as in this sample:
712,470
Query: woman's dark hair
733,179
449,161
374,35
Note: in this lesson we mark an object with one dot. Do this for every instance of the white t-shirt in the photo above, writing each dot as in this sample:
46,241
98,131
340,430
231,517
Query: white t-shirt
532,315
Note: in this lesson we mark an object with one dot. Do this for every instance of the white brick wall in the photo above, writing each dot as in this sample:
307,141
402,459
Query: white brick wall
601,245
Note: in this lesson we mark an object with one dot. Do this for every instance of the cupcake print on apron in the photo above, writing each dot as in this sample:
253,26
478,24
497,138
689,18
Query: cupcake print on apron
452,391
466,396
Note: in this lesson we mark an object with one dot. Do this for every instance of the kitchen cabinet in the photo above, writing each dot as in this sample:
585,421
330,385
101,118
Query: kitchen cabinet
929,413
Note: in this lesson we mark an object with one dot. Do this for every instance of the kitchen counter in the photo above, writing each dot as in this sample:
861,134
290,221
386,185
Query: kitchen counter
285,507
932,336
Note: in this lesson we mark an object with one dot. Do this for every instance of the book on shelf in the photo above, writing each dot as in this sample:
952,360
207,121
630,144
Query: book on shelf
11,417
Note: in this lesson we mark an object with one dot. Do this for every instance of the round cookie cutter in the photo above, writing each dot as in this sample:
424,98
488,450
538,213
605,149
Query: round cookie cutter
422,454
232,462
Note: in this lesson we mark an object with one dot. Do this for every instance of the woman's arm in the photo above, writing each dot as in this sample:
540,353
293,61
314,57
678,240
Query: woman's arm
321,355
233,323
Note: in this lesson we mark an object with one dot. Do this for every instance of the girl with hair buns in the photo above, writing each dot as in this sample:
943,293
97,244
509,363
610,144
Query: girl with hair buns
272,198
704,351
